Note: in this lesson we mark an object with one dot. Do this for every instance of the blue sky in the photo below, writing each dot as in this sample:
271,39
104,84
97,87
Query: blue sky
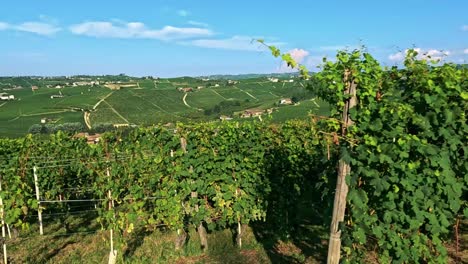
173,38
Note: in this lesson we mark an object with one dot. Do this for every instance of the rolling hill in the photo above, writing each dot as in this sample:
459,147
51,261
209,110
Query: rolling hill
124,100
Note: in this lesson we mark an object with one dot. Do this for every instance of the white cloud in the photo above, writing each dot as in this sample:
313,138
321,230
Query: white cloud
103,29
196,23
234,43
4,26
465,51
183,13
435,54
39,28
431,54
399,56
464,27
298,55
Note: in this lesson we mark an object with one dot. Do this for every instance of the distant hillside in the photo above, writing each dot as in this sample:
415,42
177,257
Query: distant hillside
251,76
94,101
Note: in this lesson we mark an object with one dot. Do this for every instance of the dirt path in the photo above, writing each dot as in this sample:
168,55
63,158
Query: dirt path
102,100
185,102
87,115
86,120
16,118
46,113
3,104
38,114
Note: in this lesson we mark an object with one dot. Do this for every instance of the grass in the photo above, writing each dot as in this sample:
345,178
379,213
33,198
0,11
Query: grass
260,245
156,246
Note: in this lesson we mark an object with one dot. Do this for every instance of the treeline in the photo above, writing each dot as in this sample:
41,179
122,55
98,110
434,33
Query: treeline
54,128
227,107
73,128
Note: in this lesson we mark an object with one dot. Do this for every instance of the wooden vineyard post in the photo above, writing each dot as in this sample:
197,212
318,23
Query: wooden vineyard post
39,208
344,169
5,257
113,253
200,228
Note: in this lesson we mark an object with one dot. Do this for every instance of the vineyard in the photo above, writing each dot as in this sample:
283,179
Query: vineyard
144,102
210,175
402,135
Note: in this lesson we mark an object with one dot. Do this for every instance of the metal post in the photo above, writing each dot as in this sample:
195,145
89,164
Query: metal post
39,208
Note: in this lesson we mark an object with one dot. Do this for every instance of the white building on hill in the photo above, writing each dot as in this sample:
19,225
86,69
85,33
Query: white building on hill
6,97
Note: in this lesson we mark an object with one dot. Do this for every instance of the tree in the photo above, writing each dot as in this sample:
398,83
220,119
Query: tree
35,129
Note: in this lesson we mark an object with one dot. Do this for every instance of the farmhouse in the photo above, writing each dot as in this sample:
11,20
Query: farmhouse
216,85
275,80
34,88
185,90
252,113
231,82
56,96
92,83
91,139
286,101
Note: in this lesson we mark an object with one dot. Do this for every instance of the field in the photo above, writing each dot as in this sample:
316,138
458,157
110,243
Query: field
143,101
30,107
